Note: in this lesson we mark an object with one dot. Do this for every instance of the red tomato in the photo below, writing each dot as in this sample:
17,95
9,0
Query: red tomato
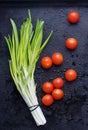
58,83
47,87
46,62
71,43
57,58
47,100
73,17
58,94
70,75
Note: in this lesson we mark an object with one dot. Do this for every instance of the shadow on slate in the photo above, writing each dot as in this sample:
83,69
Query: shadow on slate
71,113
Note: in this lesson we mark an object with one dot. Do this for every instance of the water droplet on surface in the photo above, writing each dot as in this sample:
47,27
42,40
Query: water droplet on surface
72,55
73,63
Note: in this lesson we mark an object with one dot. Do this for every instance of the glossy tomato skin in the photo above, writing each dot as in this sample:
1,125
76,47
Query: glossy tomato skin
46,62
73,17
57,58
70,75
71,43
58,82
47,87
47,100
58,94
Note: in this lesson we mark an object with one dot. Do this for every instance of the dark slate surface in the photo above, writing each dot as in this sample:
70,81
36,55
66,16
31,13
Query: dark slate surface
39,0
44,1
71,113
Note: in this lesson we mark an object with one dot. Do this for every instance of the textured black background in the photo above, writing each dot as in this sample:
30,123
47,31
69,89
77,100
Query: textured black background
45,1
71,113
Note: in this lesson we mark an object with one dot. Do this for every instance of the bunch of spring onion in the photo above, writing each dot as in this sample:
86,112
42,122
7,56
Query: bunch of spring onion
25,49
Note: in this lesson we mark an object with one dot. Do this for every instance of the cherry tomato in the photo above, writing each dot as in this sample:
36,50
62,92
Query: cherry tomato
46,62
73,17
47,87
71,43
58,94
57,58
58,82
47,100
70,75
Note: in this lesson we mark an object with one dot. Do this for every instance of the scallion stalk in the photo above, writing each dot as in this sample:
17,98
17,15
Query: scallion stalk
25,49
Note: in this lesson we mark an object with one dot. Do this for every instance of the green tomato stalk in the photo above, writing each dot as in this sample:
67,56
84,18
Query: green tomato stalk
25,50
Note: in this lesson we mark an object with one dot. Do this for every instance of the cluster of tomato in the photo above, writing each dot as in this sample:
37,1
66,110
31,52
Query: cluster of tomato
53,89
